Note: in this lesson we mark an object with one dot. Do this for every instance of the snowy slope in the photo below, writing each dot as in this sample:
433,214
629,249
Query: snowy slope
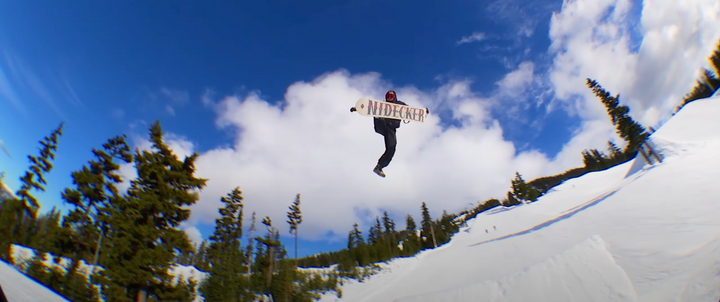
19,288
23,255
652,235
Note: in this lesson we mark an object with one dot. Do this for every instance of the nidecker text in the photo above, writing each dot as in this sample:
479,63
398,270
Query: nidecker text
385,109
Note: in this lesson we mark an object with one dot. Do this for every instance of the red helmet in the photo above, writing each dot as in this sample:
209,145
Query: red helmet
391,96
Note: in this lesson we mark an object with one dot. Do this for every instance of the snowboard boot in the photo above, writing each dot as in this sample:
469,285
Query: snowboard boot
379,171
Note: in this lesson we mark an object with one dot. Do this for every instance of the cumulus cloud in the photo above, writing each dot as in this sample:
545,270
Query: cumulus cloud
595,39
194,234
311,144
476,36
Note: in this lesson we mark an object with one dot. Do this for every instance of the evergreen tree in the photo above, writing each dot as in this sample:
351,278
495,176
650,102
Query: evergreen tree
96,183
187,257
375,232
200,257
427,231
295,219
627,128
225,282
355,237
411,243
390,234
143,225
13,210
251,239
357,246
510,200
715,59
615,152
268,257
448,226
523,191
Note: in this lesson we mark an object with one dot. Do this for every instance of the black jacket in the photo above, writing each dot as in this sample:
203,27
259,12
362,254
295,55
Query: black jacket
383,125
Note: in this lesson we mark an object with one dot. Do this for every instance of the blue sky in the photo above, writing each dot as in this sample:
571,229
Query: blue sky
112,68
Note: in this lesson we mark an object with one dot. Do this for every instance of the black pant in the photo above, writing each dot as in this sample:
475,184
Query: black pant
390,143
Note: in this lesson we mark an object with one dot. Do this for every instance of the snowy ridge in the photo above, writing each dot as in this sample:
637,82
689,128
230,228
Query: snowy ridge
634,232
585,272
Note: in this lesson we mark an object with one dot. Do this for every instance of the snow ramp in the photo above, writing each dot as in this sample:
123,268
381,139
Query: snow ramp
585,272
20,288
695,126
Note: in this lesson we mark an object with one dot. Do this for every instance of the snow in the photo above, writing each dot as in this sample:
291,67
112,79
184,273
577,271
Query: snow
635,232
19,288
22,255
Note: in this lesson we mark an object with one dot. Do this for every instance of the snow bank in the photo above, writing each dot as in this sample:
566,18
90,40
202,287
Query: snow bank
20,288
693,127
585,272
23,255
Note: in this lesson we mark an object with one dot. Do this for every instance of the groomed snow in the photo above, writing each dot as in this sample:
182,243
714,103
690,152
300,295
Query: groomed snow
23,254
635,232
19,288
553,279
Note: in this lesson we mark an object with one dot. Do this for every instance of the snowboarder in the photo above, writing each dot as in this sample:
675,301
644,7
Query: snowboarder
387,128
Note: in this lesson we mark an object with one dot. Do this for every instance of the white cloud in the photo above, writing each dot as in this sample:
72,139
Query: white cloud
316,147
476,36
193,233
516,82
592,39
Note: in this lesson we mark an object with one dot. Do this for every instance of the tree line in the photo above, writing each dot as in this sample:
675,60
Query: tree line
134,236
384,241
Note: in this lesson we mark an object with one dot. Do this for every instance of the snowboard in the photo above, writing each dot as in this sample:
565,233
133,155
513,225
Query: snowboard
377,108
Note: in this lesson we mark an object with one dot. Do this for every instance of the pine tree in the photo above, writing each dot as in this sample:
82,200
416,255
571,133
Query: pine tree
627,128
268,261
615,152
449,228
390,234
96,183
523,191
510,200
13,210
225,282
40,165
295,219
251,240
201,259
186,257
143,225
411,243
357,246
715,60
428,229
